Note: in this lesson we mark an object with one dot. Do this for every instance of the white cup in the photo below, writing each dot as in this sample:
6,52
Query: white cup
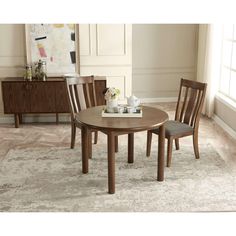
130,109
121,109
115,109
110,109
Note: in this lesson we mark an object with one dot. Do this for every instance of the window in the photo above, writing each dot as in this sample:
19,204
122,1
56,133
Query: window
228,62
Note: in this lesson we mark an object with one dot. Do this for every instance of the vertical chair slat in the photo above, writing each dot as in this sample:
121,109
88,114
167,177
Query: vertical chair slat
184,105
178,102
77,98
197,104
199,108
88,95
70,101
74,98
189,109
94,94
82,99
71,97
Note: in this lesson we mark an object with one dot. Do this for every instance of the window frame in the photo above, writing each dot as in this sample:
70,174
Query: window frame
230,68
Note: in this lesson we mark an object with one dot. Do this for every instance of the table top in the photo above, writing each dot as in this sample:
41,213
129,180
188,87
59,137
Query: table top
152,118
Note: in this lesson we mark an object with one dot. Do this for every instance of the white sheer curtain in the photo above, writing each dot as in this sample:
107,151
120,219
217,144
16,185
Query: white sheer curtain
208,63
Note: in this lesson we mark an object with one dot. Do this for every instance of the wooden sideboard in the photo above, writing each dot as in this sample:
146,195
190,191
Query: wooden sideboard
30,97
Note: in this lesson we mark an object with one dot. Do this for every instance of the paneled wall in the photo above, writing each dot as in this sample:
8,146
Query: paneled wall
12,52
106,49
162,54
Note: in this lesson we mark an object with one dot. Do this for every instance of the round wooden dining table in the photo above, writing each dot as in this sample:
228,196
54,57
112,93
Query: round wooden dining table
91,119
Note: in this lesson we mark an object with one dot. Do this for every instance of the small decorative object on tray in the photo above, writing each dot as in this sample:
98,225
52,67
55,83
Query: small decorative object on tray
111,96
123,111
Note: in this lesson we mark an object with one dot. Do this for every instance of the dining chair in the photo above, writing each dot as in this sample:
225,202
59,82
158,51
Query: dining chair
187,116
81,95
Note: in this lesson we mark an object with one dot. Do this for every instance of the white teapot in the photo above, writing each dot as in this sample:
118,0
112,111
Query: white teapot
133,101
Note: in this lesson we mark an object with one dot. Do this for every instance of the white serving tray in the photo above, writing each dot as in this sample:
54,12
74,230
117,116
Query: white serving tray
122,115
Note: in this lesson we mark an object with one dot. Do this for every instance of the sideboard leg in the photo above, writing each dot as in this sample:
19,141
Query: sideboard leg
20,118
17,122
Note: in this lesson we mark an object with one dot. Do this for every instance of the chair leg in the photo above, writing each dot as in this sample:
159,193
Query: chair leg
116,144
149,143
169,151
73,134
95,137
195,145
177,144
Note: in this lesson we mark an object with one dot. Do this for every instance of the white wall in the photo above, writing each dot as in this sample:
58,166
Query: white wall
12,52
162,54
227,113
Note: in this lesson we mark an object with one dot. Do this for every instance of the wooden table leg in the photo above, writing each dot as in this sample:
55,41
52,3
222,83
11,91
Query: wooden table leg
111,162
85,149
161,149
116,144
90,144
131,148
17,122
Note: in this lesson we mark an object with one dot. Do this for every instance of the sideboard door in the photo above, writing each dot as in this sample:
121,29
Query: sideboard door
62,104
16,97
43,97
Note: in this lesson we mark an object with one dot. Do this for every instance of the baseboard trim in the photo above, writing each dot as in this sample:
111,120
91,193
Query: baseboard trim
161,99
224,126
9,119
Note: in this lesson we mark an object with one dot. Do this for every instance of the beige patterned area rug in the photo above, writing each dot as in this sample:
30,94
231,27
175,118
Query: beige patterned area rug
50,179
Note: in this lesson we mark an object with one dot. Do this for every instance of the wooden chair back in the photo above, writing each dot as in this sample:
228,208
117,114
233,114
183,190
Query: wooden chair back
190,102
81,93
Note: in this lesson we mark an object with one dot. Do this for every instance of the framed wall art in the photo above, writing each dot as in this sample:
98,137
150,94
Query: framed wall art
56,44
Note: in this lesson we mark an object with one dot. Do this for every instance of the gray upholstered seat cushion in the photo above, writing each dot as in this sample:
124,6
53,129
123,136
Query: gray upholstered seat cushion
173,127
